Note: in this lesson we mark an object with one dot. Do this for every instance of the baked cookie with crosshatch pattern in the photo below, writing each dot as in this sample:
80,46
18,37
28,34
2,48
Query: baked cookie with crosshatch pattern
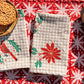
7,13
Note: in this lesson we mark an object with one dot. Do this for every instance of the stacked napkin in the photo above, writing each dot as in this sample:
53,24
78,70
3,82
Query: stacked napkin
50,44
14,48
49,54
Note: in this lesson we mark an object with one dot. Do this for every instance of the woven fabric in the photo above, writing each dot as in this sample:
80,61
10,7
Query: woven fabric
14,48
50,0
50,44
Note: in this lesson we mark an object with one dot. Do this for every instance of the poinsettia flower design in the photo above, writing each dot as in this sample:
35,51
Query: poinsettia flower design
51,53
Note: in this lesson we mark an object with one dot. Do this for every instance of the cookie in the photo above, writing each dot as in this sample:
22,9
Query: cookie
3,29
2,0
7,13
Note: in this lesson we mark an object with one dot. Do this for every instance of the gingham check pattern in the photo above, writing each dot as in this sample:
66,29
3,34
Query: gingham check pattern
56,29
20,37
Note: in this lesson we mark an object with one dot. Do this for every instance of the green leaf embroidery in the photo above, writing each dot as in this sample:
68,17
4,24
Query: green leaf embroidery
41,19
38,63
35,30
34,51
1,60
14,44
37,19
21,12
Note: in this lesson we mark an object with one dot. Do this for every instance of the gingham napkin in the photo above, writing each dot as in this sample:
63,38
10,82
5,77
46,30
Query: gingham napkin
14,48
50,44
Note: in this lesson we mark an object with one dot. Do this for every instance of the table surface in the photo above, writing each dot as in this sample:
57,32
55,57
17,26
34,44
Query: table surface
75,73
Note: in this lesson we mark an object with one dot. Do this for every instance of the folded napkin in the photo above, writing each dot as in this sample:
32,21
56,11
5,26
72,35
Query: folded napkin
14,48
50,44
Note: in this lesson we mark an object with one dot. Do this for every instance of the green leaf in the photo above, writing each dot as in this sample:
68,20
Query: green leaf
38,63
1,60
37,19
41,19
34,51
14,44
21,12
35,30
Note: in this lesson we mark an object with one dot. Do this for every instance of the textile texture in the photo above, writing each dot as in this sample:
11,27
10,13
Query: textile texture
50,44
14,48
75,68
